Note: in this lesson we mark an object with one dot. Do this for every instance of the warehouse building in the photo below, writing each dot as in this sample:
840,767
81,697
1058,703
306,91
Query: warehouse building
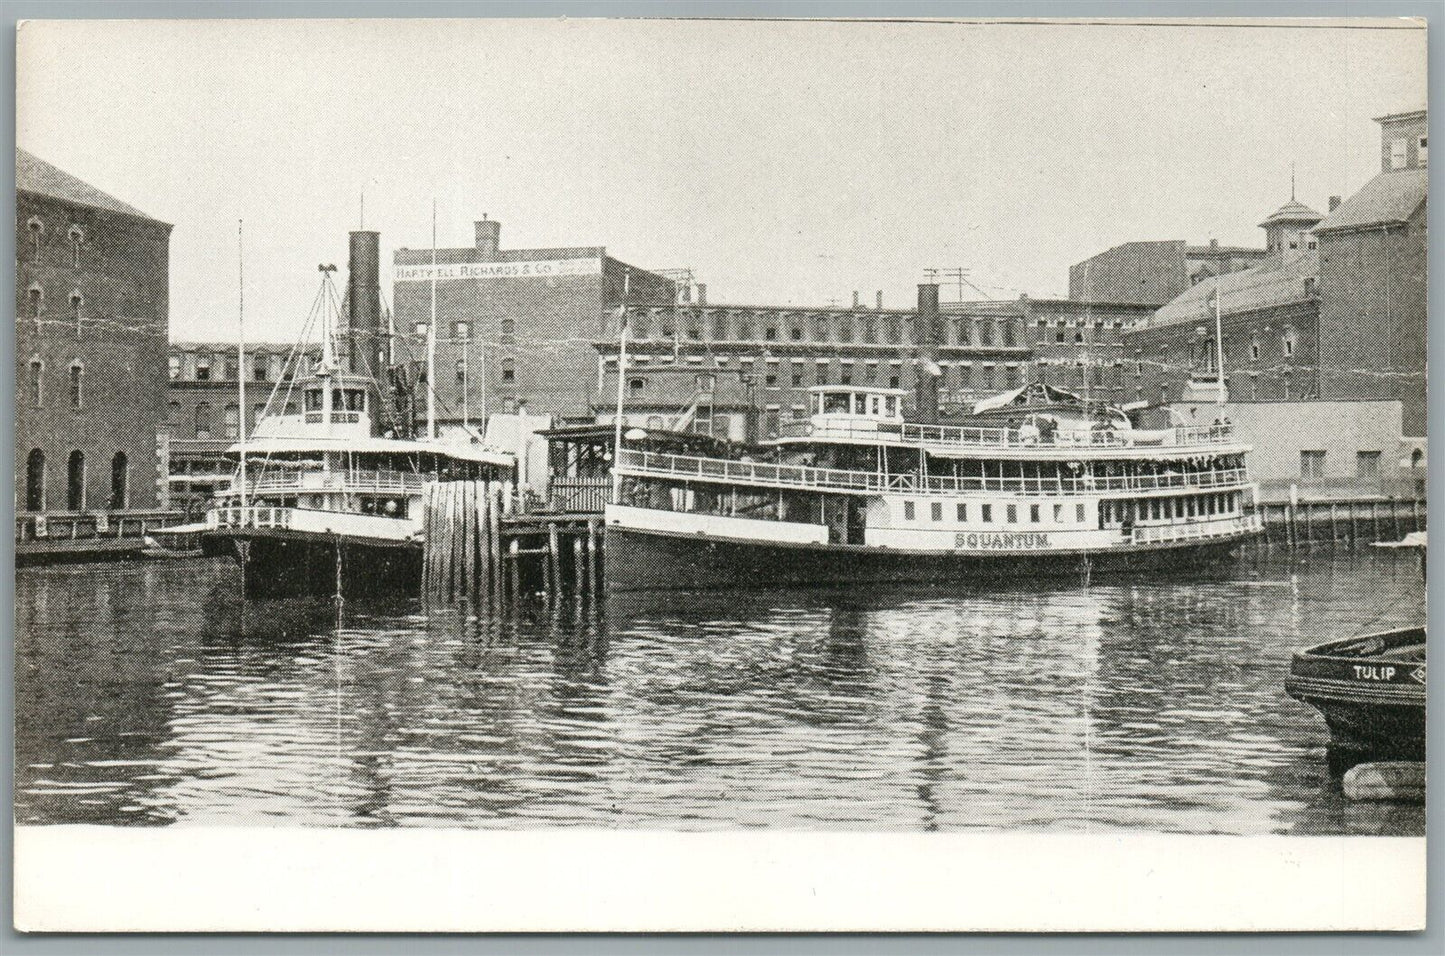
92,288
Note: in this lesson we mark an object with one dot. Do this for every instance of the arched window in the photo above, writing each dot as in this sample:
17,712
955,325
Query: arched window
1417,458
259,366
36,297
203,420
1288,343
77,237
509,328
37,383
75,481
509,370
232,421
77,380
203,366
76,299
35,480
36,228
461,372
119,482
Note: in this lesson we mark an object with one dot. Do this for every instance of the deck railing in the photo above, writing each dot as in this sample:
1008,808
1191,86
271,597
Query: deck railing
357,480
579,495
1012,438
1198,530
639,463
84,525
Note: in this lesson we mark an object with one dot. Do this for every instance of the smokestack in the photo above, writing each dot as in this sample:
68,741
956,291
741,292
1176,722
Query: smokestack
1334,203
489,238
855,299
702,293
925,334
879,297
365,348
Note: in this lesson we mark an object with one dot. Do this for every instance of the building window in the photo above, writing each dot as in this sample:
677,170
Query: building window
1034,513
1367,465
1079,512
1397,154
961,511
907,511
1288,343
37,230
1311,464
770,333
77,375
203,368
203,421
845,373
37,302
635,387
174,367
75,301
75,481
796,334
232,422
936,511
35,480
77,236
1421,154
1010,337
37,383
119,482
797,377
822,373
1254,350
462,330
985,333
509,329
461,371
421,328
259,367
509,370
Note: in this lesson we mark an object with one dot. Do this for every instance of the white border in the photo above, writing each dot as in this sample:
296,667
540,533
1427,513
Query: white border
82,879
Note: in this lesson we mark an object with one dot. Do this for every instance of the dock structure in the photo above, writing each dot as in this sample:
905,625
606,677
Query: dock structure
480,547
1339,522
86,536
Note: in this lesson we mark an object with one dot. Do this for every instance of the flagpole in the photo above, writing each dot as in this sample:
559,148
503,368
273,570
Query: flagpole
621,382
241,352
431,337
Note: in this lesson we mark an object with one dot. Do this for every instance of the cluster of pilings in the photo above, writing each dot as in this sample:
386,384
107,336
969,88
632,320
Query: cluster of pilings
479,549
1340,522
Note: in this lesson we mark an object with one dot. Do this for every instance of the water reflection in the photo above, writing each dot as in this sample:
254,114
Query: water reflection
151,694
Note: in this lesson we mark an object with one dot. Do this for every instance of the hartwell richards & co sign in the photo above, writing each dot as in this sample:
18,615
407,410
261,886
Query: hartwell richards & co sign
538,269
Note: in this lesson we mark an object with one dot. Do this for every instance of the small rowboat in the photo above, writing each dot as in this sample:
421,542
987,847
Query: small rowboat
1370,689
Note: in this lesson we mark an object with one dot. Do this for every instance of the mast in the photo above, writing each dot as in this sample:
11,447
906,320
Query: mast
241,351
328,352
431,337
621,382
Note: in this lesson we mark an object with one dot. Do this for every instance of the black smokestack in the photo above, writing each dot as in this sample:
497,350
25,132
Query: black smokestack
925,333
364,298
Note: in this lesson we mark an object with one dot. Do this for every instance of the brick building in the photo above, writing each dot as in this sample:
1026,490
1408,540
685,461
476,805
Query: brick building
92,292
735,370
1154,272
1373,253
514,326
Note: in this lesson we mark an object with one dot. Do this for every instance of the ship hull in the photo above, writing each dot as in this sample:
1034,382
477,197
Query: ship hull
278,563
649,560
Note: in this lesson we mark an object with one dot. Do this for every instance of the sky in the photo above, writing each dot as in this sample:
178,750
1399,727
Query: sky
784,162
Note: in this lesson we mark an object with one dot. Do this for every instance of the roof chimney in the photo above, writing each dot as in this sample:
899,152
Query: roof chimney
855,298
1214,243
702,293
489,238
878,297
1334,203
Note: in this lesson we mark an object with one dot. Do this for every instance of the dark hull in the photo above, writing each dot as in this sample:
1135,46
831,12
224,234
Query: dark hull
1370,690
657,561
292,564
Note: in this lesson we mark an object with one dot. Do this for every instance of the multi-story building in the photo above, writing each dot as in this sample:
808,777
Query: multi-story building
1373,279
739,370
514,326
92,290
1154,272
203,412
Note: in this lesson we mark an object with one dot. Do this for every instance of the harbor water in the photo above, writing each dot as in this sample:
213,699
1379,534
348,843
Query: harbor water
151,694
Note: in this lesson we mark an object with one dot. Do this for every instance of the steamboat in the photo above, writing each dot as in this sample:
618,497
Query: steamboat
328,490
1038,482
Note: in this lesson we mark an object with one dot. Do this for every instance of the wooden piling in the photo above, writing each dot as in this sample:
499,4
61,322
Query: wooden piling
494,537
1414,514
1354,524
579,569
554,577
593,578
514,571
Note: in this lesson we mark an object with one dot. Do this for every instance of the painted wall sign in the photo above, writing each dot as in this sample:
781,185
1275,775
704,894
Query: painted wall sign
989,540
540,269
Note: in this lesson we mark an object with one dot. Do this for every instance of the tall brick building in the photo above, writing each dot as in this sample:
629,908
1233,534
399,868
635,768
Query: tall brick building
92,288
1373,254
514,326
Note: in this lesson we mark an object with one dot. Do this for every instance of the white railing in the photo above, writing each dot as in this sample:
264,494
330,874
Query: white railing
1198,530
390,482
314,520
652,464
255,516
960,436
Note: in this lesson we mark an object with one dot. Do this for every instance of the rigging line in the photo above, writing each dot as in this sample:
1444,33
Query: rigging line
305,328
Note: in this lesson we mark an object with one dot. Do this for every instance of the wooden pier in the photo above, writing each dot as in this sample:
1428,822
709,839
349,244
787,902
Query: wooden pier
1344,522
480,547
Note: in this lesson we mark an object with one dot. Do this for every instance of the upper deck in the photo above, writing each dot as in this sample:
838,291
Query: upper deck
873,416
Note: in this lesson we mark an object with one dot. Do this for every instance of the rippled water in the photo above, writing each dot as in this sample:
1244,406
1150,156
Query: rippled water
148,694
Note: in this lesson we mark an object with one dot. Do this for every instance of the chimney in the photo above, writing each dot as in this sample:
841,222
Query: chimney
702,293
1214,243
855,300
489,238
364,351
878,297
1334,203
925,333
